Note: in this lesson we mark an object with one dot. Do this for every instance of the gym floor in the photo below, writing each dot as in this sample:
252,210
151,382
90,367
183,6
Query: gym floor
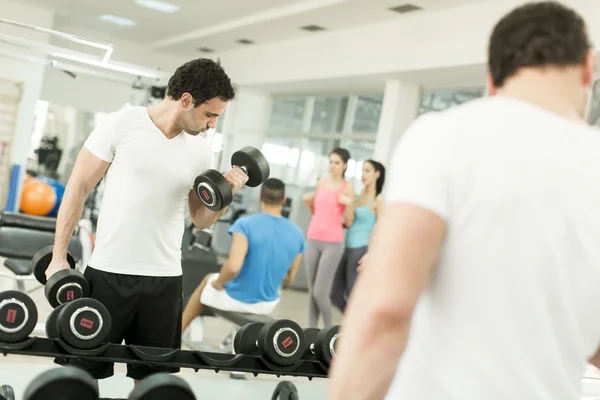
18,371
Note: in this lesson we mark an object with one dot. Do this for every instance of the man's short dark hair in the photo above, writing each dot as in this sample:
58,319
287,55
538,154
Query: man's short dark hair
204,79
540,34
272,192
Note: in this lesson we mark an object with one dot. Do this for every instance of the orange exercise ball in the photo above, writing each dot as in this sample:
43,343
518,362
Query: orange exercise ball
37,198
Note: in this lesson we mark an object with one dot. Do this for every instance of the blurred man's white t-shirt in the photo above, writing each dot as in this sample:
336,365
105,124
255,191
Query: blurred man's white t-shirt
513,308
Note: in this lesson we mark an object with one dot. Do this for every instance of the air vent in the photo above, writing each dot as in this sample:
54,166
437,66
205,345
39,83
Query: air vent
313,28
406,8
205,50
245,41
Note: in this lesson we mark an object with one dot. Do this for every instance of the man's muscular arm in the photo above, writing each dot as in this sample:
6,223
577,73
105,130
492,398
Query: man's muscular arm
202,217
87,172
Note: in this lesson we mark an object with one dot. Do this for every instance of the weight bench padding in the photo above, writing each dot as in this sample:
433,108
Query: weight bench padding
20,220
23,243
239,319
18,267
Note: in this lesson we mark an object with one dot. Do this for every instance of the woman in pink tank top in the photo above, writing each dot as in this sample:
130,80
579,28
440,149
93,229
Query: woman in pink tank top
332,206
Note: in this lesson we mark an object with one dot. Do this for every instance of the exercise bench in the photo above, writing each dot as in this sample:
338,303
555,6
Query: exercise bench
237,318
21,236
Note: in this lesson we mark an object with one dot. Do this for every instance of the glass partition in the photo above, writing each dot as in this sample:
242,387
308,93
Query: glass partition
438,100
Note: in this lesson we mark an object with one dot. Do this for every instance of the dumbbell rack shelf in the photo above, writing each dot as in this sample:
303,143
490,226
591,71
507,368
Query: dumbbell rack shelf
196,360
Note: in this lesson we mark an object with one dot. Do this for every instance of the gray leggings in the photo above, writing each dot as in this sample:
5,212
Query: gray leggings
321,260
346,276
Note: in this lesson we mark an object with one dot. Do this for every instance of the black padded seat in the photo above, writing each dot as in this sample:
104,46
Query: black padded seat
20,220
239,319
23,243
19,267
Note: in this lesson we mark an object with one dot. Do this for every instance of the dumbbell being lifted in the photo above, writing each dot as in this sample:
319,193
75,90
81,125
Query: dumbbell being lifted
212,187
63,286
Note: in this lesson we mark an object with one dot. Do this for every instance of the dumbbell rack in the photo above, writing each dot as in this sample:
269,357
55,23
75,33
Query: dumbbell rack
141,355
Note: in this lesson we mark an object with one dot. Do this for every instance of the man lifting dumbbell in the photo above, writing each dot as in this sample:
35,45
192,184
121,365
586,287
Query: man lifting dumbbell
150,158
65,285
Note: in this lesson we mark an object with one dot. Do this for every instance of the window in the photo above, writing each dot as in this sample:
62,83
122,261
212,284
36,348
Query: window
442,99
318,115
328,114
284,156
360,151
287,115
368,111
593,116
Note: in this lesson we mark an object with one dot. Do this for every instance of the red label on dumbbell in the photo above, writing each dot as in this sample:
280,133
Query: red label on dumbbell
287,342
70,295
206,195
86,323
11,316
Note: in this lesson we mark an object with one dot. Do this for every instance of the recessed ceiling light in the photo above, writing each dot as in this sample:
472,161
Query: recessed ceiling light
158,5
313,28
205,50
403,9
245,41
113,19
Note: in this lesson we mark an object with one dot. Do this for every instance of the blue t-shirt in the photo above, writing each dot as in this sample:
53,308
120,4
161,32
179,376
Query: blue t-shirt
273,243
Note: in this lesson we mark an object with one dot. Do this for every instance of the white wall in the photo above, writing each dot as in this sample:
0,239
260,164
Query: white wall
88,93
31,75
246,122
399,109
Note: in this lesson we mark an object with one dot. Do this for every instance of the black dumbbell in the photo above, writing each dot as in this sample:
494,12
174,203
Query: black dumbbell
18,316
310,334
7,392
325,343
281,342
83,323
52,323
162,386
62,384
63,286
212,187
285,390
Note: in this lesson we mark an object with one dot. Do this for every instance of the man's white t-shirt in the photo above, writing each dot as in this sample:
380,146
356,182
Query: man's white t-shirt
513,308
141,219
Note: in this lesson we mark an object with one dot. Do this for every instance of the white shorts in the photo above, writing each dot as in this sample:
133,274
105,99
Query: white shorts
221,300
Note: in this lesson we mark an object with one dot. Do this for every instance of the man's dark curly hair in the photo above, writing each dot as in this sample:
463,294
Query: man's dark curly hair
540,34
204,79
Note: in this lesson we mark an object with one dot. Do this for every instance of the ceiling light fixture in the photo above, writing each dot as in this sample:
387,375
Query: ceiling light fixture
120,21
312,28
76,39
405,8
158,5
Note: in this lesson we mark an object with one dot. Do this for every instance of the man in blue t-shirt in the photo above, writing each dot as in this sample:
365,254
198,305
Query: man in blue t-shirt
265,252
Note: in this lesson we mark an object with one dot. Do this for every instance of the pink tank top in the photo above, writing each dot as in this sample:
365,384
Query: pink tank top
326,223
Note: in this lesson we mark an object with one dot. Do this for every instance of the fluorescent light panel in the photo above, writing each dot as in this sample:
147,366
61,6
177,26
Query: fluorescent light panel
158,5
113,19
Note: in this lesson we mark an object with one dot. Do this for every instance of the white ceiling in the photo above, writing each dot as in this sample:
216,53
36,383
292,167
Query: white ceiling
219,24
